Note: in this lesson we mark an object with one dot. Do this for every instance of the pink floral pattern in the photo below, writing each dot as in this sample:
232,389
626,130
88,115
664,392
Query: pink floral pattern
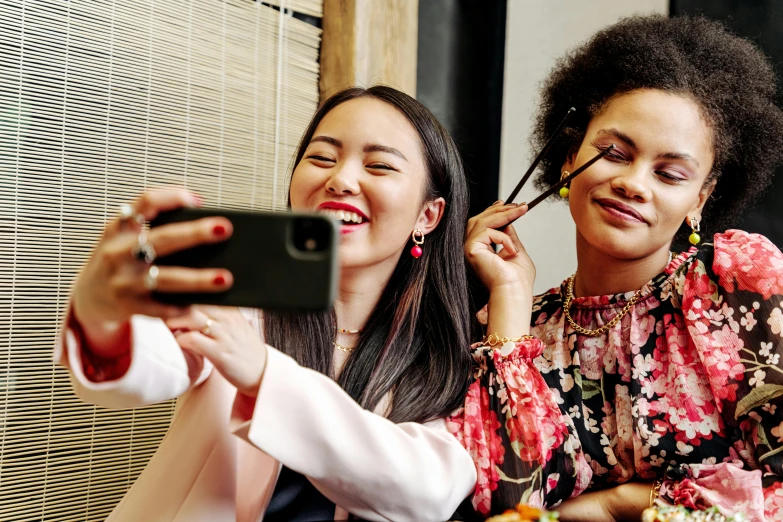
691,378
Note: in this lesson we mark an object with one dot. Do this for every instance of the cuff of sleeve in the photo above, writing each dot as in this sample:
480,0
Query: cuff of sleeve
94,367
244,408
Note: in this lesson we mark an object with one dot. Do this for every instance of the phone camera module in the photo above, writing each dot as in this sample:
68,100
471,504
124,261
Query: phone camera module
311,235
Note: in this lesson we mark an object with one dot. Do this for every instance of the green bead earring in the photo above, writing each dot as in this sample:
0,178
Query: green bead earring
564,191
694,238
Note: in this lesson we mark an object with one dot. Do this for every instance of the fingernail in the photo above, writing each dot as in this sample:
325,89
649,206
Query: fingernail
219,230
514,250
219,280
197,201
498,202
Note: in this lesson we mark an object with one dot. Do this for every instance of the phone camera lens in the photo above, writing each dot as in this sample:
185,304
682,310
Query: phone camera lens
311,234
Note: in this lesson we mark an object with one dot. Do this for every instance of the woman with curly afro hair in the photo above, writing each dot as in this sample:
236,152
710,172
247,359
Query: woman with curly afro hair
649,375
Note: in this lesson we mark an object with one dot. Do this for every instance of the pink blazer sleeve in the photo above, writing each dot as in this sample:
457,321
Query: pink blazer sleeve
374,468
159,370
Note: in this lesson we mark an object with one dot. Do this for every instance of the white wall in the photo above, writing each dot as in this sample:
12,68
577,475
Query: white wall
537,33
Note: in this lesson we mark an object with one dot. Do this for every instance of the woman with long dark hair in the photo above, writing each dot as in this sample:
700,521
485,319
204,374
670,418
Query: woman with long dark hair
341,412
651,374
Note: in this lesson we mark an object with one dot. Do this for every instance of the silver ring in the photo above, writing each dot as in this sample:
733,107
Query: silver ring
207,328
128,213
144,251
151,278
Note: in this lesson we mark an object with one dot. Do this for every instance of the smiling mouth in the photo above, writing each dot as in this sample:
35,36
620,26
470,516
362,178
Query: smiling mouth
617,209
345,216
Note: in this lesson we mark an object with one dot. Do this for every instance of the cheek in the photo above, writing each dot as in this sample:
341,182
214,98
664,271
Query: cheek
579,193
672,211
398,200
301,187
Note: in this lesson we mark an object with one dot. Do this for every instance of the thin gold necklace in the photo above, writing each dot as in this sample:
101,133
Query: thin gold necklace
341,347
569,297
346,331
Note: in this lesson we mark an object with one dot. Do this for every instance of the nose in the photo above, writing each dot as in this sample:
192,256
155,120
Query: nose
632,183
343,180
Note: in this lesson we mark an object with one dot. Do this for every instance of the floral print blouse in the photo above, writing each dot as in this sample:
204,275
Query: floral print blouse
687,388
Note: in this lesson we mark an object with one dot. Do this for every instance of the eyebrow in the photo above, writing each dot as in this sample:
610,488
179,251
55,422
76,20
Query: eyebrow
371,147
614,133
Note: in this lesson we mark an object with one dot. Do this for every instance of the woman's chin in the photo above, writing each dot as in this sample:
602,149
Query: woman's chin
618,244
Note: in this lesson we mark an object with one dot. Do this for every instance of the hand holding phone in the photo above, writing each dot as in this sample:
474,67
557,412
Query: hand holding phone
279,260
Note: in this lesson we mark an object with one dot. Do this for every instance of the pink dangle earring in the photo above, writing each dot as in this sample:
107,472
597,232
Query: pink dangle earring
418,239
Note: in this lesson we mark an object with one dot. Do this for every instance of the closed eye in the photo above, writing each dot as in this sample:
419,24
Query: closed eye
669,177
321,158
381,166
614,155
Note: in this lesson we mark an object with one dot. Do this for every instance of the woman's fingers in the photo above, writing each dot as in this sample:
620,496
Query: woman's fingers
197,342
154,201
195,319
174,279
483,241
175,237
496,216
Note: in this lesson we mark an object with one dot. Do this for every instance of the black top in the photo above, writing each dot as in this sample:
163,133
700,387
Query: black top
295,499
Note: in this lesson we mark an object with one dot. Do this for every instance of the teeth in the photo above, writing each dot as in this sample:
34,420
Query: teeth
343,215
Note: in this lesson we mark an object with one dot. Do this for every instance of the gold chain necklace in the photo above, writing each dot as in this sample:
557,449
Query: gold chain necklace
346,331
569,297
341,347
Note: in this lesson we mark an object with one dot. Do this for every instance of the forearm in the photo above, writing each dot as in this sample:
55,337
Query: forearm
622,503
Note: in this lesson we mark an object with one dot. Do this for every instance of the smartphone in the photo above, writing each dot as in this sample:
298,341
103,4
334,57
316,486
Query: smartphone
279,260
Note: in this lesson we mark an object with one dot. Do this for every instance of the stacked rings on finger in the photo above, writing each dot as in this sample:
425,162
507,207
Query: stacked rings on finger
143,250
151,278
128,214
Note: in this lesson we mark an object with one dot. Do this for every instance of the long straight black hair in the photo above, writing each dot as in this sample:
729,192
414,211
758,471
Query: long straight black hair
416,341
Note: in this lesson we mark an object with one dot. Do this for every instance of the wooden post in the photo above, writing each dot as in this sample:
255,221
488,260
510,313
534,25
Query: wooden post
366,42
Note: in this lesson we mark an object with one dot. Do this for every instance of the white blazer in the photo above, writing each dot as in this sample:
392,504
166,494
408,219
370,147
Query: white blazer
221,457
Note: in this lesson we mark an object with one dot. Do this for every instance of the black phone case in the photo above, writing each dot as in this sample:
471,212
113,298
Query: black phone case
269,271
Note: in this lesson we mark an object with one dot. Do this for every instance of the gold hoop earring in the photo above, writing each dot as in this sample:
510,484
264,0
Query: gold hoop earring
564,191
418,239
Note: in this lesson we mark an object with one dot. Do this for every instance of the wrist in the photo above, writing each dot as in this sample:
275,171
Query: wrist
510,310
107,340
517,290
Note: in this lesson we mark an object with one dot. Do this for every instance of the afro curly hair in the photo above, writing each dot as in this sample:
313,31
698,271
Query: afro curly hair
728,76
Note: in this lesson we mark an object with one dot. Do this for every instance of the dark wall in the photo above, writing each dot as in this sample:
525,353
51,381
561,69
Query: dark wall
460,79
762,22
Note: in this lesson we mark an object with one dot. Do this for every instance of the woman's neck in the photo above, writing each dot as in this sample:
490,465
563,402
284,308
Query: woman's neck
601,274
359,293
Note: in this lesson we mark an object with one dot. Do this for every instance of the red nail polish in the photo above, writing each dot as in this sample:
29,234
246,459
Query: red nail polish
219,230
219,280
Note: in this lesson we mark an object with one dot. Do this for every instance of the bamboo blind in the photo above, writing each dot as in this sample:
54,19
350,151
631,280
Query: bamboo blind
98,100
